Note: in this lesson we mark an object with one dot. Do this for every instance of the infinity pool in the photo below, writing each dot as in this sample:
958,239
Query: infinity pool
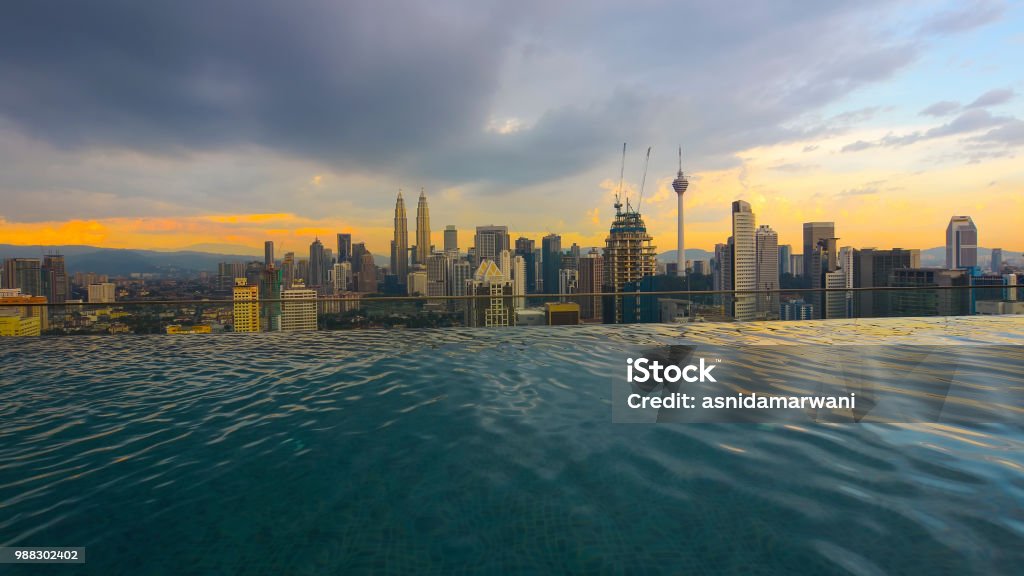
475,451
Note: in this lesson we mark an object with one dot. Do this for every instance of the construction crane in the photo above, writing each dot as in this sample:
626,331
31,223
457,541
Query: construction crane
643,180
622,172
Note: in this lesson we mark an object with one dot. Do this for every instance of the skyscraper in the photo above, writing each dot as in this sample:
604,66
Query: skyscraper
270,288
451,238
422,231
24,273
744,261
997,260
629,256
298,309
400,244
767,272
367,273
814,231
437,274
358,249
591,273
680,184
785,259
246,306
498,308
551,261
489,241
268,253
961,243
344,247
526,248
54,279
287,270
318,266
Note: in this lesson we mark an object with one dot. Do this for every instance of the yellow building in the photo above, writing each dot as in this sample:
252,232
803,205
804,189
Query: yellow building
562,313
179,329
247,307
19,326
25,307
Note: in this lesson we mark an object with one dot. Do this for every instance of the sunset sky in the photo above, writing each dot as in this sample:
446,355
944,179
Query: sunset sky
218,125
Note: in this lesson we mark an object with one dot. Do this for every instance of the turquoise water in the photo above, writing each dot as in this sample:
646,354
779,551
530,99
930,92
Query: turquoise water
471,451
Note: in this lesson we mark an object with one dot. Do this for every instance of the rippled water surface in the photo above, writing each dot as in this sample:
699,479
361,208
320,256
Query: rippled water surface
475,451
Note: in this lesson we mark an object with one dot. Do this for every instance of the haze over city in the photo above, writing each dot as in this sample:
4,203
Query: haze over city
191,126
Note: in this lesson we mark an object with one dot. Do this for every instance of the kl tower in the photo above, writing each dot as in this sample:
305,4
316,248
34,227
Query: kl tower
680,184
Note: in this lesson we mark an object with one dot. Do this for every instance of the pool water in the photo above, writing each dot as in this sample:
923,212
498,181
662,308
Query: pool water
475,451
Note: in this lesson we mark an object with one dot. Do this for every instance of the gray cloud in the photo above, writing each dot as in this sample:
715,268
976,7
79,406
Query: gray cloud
942,108
856,146
968,16
965,123
992,98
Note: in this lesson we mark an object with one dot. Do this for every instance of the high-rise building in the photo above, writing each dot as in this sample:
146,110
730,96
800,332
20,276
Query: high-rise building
416,283
270,288
246,306
527,248
103,293
961,243
461,271
342,277
367,273
54,279
298,309
451,238
935,302
767,272
344,247
796,310
519,280
268,253
785,259
400,244
680,184
496,307
796,264
551,261
423,247
568,282
813,232
873,268
438,267
489,241
591,274
744,261
24,273
316,278
997,260
629,257
358,250
288,270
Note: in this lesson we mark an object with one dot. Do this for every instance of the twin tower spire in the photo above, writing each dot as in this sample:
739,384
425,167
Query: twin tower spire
400,245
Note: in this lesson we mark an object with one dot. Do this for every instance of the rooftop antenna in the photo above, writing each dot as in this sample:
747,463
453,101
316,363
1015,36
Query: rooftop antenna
622,171
643,180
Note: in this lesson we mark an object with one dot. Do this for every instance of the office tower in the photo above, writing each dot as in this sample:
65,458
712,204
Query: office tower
797,310
461,271
942,302
358,250
824,260
848,265
504,261
400,244
298,309
103,293
527,248
700,267
519,280
270,289
717,268
497,308
24,273
451,238
796,264
568,282
367,273
344,247
54,279
551,261
423,248
416,283
437,274
997,260
561,313
287,270
680,184
813,232
872,268
591,274
489,241
785,259
574,254
836,305
629,257
744,261
342,277
767,272
253,272
268,253
961,243
246,306
316,279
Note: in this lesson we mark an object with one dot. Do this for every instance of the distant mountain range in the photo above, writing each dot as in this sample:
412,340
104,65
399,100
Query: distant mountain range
122,262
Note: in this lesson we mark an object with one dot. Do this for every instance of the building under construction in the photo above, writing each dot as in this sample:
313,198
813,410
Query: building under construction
629,256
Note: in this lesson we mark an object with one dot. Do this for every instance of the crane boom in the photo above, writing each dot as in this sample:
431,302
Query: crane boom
643,180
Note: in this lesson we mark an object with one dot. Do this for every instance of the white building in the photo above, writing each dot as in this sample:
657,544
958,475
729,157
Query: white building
102,293
767,272
744,261
298,309
341,277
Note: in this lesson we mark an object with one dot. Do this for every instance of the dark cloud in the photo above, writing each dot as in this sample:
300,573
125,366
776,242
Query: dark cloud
992,98
856,146
943,108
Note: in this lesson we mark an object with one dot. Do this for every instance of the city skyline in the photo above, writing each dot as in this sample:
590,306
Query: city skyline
862,126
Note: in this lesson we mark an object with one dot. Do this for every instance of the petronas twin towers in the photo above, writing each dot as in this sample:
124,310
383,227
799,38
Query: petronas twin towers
400,245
